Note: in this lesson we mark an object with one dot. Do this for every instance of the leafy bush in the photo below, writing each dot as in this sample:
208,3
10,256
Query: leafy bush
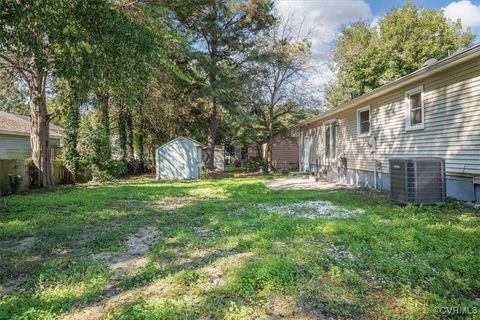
115,167
108,171
255,164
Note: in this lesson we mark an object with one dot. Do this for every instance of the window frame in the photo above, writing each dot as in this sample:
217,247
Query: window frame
408,125
364,134
328,126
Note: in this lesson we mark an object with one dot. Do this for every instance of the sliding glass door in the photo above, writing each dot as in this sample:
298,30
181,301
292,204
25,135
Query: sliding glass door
330,141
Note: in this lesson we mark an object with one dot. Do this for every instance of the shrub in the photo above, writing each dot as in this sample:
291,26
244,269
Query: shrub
108,171
115,167
255,164
134,166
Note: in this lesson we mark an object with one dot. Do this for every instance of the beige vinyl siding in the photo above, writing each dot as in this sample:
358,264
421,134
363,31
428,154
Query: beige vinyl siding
18,147
452,124
14,147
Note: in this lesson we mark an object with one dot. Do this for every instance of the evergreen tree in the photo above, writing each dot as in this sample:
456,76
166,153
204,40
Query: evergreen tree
220,33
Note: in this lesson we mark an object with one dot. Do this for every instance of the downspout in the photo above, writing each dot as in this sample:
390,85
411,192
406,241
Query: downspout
374,171
372,142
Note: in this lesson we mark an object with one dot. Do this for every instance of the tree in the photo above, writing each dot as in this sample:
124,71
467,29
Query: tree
33,42
277,86
13,94
367,57
61,39
221,32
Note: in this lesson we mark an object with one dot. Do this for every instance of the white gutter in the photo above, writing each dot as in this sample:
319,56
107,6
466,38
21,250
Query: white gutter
448,62
25,134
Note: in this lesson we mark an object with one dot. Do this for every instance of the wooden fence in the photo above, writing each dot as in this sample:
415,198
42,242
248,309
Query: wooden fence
17,175
11,168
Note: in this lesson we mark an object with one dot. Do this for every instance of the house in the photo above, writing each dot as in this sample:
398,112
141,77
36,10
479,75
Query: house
183,158
15,137
284,152
434,111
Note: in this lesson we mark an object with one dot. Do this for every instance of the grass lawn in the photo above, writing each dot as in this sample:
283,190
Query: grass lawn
217,249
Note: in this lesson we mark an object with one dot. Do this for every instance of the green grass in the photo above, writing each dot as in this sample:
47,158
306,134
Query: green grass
220,256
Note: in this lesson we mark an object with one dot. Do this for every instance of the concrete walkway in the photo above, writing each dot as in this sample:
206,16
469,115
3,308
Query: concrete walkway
305,184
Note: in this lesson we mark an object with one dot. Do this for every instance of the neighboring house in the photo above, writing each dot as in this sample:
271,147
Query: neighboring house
284,152
15,137
183,158
434,111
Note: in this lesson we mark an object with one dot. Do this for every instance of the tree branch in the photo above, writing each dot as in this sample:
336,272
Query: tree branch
20,69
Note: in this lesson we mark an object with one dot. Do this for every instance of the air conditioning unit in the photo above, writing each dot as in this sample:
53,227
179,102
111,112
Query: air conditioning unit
417,180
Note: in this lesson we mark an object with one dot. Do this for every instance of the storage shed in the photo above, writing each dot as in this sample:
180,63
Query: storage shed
180,158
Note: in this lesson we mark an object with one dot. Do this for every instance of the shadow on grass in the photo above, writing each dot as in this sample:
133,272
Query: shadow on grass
401,246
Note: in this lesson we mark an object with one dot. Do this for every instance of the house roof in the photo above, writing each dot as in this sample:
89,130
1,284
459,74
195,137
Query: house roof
428,70
181,137
15,124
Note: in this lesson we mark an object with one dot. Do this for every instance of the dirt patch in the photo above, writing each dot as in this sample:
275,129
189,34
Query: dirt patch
18,246
305,184
12,284
165,204
137,245
311,210
214,278
131,259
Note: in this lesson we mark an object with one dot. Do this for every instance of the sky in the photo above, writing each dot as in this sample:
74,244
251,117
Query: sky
322,20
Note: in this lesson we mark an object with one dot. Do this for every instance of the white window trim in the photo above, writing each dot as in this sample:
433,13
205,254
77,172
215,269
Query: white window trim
365,134
408,126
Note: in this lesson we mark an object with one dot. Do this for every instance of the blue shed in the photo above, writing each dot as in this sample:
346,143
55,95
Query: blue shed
180,158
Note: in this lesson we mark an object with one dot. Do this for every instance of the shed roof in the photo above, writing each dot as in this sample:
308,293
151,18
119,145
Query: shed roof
180,137
16,124
450,61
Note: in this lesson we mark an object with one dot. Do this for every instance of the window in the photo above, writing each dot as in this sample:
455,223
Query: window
414,109
363,121
330,140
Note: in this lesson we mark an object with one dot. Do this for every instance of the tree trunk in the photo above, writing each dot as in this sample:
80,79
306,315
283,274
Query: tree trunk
103,98
72,158
122,132
270,140
140,138
39,130
270,148
212,130
129,127
259,150
212,109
